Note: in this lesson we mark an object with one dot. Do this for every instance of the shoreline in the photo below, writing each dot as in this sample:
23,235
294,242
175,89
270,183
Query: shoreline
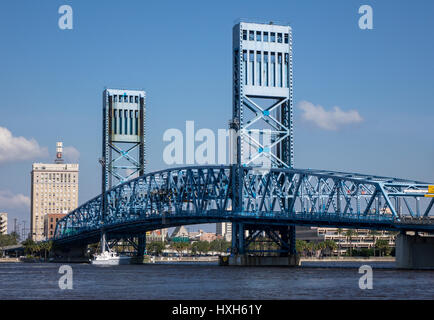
350,259
216,259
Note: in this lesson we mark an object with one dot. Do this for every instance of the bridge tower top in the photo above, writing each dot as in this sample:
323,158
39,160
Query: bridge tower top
262,94
123,145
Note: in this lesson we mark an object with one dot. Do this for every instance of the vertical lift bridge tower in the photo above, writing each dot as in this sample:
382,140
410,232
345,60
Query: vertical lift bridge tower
262,114
123,145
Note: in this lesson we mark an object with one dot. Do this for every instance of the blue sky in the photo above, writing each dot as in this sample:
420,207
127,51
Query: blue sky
179,52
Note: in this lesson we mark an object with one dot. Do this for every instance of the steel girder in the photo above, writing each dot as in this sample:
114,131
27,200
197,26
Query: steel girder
209,194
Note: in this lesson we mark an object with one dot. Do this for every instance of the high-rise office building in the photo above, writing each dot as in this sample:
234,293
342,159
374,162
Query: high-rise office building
224,229
3,223
54,191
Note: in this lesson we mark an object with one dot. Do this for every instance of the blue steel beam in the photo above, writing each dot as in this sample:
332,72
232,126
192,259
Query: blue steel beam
207,194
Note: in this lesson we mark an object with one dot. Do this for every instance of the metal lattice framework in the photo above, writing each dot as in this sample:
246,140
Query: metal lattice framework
279,197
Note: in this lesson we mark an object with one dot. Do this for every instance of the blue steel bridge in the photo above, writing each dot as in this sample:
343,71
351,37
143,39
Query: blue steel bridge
259,201
252,198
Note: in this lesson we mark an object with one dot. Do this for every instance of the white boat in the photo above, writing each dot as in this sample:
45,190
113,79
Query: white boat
110,258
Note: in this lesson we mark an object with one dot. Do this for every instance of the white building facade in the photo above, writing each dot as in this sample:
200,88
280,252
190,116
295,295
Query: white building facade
3,223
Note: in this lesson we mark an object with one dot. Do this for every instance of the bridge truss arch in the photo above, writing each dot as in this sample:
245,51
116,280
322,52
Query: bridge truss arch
280,197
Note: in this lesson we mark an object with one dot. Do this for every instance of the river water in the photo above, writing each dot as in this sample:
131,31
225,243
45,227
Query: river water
314,280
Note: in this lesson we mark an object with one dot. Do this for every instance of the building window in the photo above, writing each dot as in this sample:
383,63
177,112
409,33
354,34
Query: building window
258,35
115,98
265,39
245,66
131,122
251,35
120,122
136,99
272,37
137,122
286,69
252,70
286,38
279,69
126,122
244,34
258,67
115,116
131,99
273,69
279,37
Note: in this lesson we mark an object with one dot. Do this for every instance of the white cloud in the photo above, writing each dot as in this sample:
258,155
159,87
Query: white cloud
18,148
71,154
8,200
328,119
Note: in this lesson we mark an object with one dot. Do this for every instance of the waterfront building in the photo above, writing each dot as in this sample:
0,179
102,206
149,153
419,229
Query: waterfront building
156,235
50,221
203,236
224,229
355,239
3,223
54,190
179,234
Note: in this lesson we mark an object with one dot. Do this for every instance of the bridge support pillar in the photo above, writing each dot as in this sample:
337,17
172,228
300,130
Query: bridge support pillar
243,256
238,235
414,252
141,248
292,260
141,245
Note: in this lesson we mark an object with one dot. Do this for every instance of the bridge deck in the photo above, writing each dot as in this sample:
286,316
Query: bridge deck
210,194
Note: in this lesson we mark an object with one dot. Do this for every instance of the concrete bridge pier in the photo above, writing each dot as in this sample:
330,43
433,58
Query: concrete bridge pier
245,260
414,251
240,256
141,248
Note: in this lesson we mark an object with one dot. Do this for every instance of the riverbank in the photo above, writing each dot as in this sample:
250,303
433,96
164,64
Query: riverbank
349,259
184,259
303,259
153,259
10,260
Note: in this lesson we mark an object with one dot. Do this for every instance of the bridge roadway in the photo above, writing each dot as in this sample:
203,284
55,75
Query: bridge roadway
252,196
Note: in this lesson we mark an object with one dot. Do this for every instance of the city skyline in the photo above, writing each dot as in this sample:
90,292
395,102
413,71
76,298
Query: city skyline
382,75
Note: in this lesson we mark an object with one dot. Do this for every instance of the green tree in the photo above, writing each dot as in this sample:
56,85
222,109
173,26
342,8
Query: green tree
45,247
331,246
155,248
29,246
383,247
320,246
179,246
201,247
310,247
300,246
349,234
219,245
9,239
339,231
374,234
